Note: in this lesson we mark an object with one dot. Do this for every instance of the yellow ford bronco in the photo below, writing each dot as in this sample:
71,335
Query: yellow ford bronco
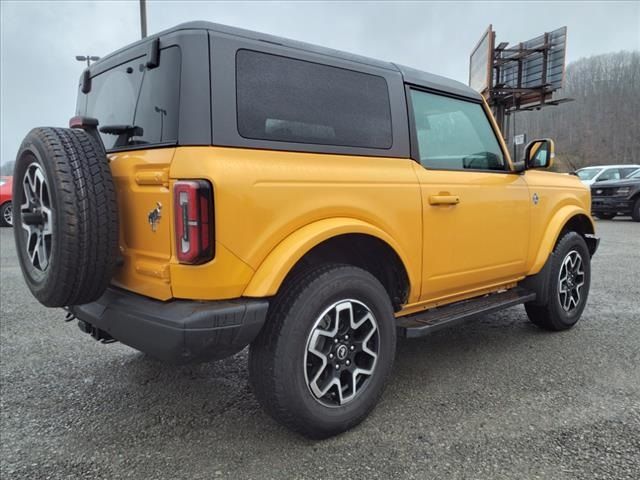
220,188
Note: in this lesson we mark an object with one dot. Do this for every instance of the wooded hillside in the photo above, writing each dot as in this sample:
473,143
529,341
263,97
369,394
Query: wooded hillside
602,124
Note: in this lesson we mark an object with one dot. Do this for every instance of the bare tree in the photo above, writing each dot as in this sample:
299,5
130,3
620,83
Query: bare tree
602,124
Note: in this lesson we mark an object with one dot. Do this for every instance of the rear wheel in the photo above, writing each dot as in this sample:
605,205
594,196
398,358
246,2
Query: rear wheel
6,214
570,278
635,213
322,360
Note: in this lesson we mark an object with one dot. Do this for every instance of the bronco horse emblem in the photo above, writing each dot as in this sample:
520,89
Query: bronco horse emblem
154,216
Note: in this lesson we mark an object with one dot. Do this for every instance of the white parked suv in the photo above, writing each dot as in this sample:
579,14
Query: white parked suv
600,173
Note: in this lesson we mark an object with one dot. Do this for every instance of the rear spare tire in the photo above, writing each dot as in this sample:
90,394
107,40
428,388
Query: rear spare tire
65,216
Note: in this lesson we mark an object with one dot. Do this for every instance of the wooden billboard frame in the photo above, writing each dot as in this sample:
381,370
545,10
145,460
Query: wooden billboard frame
489,67
509,98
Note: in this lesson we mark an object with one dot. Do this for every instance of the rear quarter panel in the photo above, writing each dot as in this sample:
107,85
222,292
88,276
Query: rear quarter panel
262,197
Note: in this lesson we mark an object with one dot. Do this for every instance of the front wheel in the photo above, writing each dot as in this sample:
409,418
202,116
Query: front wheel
570,278
322,360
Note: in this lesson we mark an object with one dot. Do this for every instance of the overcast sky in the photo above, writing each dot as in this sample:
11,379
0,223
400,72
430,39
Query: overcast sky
39,72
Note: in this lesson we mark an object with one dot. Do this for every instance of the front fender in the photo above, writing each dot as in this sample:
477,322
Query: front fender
552,232
275,267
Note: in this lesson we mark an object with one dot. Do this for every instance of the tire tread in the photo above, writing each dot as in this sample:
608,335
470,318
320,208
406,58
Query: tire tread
266,352
545,316
86,206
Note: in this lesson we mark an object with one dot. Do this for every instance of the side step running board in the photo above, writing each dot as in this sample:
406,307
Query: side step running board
423,323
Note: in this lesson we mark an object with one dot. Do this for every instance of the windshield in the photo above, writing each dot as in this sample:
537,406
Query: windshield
588,173
635,174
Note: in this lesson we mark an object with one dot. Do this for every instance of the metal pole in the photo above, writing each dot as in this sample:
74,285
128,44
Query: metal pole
143,18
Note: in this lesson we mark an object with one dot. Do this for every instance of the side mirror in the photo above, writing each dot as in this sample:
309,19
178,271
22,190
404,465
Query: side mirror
539,153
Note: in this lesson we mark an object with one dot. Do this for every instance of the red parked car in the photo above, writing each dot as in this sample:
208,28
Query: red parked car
6,207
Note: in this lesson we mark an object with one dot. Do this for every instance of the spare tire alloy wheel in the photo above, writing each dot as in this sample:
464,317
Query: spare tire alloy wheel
66,216
342,352
36,217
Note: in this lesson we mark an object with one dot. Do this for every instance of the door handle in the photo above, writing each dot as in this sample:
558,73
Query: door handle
444,200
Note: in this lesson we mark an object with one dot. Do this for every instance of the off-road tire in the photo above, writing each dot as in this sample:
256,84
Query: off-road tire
84,219
276,357
3,209
635,213
552,316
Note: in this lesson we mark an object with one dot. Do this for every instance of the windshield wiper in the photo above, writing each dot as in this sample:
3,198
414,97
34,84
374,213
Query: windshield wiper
128,130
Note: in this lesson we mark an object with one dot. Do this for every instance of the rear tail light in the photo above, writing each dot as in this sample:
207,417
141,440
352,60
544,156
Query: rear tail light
193,212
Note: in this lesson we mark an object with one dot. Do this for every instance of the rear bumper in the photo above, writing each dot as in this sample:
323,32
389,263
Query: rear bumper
177,331
611,205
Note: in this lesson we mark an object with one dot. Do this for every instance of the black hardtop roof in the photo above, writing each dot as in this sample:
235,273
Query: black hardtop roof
410,75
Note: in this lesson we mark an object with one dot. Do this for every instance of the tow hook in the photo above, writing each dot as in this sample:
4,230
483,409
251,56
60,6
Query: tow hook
69,316
96,333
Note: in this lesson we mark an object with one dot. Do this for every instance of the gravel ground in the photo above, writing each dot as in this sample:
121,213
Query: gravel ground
497,398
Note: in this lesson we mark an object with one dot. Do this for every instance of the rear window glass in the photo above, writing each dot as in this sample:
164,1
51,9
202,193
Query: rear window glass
288,100
132,95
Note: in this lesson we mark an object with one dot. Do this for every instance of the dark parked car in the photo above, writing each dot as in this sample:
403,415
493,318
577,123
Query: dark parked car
617,197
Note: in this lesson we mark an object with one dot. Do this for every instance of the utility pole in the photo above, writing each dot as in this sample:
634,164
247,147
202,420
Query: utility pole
143,18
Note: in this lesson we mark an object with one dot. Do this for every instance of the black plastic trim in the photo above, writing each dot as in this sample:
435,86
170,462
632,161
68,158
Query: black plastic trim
85,82
177,331
424,323
153,55
593,242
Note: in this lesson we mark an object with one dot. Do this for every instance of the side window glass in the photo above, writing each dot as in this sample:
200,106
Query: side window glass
454,134
289,100
609,174
625,172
